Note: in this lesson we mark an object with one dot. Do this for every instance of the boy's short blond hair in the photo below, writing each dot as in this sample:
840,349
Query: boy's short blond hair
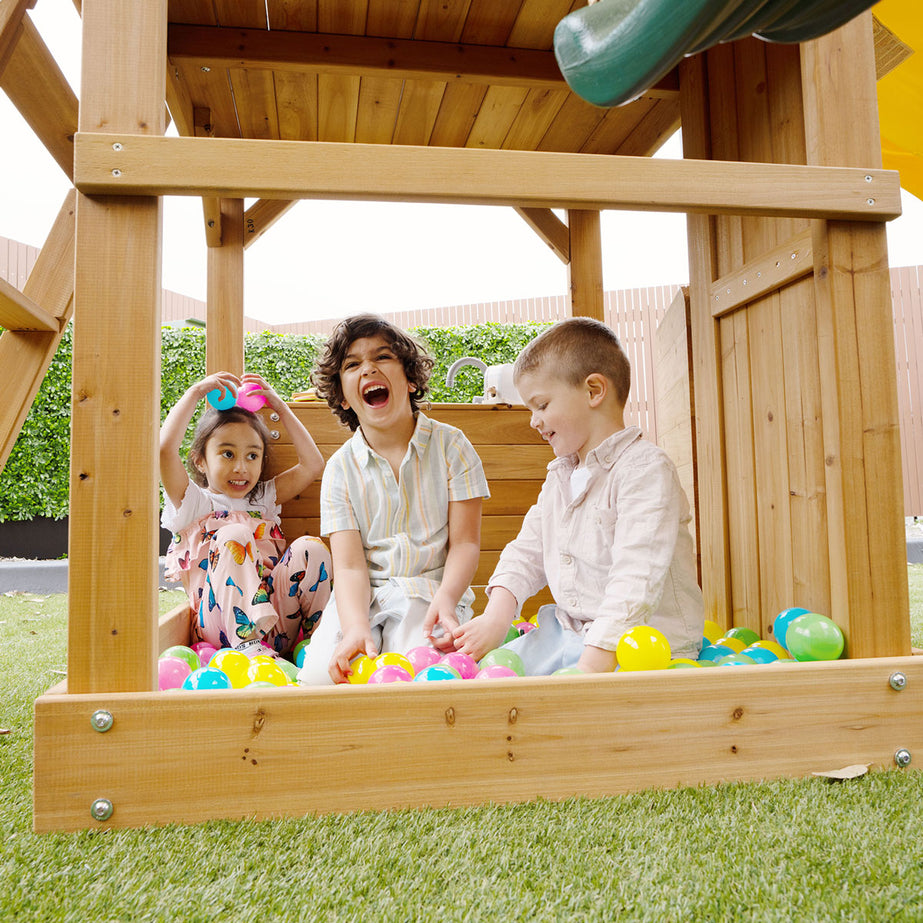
577,347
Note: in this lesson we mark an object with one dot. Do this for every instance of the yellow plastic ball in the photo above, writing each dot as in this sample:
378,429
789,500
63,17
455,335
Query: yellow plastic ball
643,648
775,647
679,663
362,668
233,664
735,644
712,631
392,658
262,672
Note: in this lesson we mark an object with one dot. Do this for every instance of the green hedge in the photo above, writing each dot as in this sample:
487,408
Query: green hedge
34,482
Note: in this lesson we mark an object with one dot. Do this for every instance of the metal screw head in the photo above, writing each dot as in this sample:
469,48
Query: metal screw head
897,681
101,720
116,173
101,809
274,433
117,146
274,417
902,757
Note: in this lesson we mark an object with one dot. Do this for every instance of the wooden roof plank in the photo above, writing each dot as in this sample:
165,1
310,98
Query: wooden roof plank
205,46
155,165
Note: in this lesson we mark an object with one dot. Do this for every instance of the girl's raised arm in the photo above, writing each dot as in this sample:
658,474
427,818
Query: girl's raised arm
294,480
173,474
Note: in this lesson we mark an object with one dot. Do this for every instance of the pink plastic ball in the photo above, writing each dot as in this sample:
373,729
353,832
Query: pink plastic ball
390,673
205,651
171,671
466,666
249,401
423,657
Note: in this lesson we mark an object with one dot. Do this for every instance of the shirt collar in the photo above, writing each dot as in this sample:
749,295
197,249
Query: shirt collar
363,452
605,455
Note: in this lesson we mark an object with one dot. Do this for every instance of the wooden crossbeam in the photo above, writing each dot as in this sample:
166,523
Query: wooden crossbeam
35,85
18,312
12,14
550,228
261,216
123,164
26,354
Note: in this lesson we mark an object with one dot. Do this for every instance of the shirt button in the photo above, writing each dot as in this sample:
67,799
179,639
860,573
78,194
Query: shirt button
573,603
566,559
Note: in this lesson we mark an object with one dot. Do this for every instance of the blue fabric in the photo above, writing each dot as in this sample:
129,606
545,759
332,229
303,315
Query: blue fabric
548,647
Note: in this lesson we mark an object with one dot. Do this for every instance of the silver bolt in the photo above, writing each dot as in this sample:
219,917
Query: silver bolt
117,146
101,809
274,417
902,757
274,433
868,177
206,69
116,172
870,201
101,720
897,681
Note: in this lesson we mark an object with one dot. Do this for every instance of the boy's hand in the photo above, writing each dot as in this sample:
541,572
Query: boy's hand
441,612
354,643
597,660
481,635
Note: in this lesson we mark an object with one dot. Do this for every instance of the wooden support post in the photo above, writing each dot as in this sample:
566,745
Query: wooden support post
114,493
224,336
26,355
585,271
550,228
856,352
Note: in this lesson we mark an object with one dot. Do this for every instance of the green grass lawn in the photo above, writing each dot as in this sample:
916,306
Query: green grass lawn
774,851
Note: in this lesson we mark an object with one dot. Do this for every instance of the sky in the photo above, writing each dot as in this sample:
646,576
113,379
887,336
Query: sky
329,259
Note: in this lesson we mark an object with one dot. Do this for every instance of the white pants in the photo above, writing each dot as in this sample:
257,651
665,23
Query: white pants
396,621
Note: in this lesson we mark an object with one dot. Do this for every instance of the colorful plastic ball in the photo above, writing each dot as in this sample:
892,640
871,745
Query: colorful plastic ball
247,400
263,684
496,671
267,672
205,652
392,658
774,647
206,678
422,657
715,652
361,669
390,673
814,637
503,657
742,633
735,644
184,653
681,663
524,626
298,652
781,622
643,648
467,667
712,630
234,665
222,398
288,668
511,635
736,660
435,672
760,654
171,671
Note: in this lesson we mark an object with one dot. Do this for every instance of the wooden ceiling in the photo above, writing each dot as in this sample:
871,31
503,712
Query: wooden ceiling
447,73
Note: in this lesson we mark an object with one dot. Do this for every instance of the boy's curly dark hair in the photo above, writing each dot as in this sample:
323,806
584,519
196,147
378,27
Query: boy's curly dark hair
326,375
211,420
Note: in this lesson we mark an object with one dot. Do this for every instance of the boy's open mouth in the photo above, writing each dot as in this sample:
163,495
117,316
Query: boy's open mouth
375,395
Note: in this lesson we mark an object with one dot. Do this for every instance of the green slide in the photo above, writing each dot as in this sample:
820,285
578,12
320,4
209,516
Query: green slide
614,50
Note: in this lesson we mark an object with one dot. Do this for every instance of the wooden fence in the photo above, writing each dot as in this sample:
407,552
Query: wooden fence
631,313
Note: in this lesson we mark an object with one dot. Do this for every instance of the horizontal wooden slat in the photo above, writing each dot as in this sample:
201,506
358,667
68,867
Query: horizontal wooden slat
143,165
506,740
366,56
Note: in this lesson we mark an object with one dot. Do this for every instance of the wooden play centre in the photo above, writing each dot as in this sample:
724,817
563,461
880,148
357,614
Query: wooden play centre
797,490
